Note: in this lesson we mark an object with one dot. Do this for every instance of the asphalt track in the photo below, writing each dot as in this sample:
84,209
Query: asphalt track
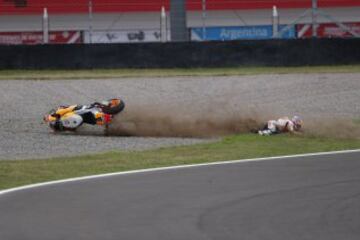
312,197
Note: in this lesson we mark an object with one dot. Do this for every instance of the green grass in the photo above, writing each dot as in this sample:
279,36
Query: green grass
123,73
356,121
17,173
21,172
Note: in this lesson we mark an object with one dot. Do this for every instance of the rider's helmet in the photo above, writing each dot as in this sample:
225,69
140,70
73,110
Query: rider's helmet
297,122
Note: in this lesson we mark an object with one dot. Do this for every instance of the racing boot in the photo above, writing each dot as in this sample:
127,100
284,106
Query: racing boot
265,132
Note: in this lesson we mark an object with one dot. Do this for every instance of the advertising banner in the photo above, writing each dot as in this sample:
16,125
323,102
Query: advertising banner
327,30
31,38
237,33
124,36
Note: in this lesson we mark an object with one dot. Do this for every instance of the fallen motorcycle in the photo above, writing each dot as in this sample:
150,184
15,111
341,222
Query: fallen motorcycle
70,118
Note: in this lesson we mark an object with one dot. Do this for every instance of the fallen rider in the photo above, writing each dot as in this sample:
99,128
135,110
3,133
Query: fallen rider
282,125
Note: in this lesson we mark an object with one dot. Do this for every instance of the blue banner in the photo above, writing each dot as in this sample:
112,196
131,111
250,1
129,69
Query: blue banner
237,33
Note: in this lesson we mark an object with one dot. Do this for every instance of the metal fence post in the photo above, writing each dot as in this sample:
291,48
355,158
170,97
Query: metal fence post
163,33
275,22
203,20
45,27
314,18
90,3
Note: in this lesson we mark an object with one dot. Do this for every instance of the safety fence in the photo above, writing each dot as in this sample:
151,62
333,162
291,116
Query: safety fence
32,22
226,33
108,6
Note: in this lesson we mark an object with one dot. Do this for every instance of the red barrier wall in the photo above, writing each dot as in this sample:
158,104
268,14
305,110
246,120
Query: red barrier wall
10,7
32,38
327,30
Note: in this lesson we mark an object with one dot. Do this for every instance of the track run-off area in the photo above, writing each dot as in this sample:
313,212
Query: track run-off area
168,107
313,196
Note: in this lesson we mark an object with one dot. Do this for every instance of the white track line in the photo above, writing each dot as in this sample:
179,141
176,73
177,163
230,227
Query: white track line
26,187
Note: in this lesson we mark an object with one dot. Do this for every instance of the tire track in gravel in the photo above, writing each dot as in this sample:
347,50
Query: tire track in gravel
179,105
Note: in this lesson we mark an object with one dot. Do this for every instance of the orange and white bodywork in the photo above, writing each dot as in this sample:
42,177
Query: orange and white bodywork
67,116
72,117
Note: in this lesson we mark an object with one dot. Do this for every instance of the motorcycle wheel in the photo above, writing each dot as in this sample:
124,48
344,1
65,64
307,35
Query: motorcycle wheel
116,106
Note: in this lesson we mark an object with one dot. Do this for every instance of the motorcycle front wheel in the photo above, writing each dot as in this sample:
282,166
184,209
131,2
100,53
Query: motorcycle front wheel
116,105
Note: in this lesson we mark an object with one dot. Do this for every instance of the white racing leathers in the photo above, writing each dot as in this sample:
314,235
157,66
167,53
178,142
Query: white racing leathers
278,126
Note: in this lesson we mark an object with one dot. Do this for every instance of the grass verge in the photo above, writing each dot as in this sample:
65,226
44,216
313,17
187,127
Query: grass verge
17,173
123,73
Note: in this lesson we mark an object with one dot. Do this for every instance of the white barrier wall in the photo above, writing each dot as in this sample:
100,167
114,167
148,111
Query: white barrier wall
124,36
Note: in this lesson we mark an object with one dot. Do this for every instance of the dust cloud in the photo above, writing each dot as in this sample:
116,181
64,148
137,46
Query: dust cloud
215,121
174,122
344,128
